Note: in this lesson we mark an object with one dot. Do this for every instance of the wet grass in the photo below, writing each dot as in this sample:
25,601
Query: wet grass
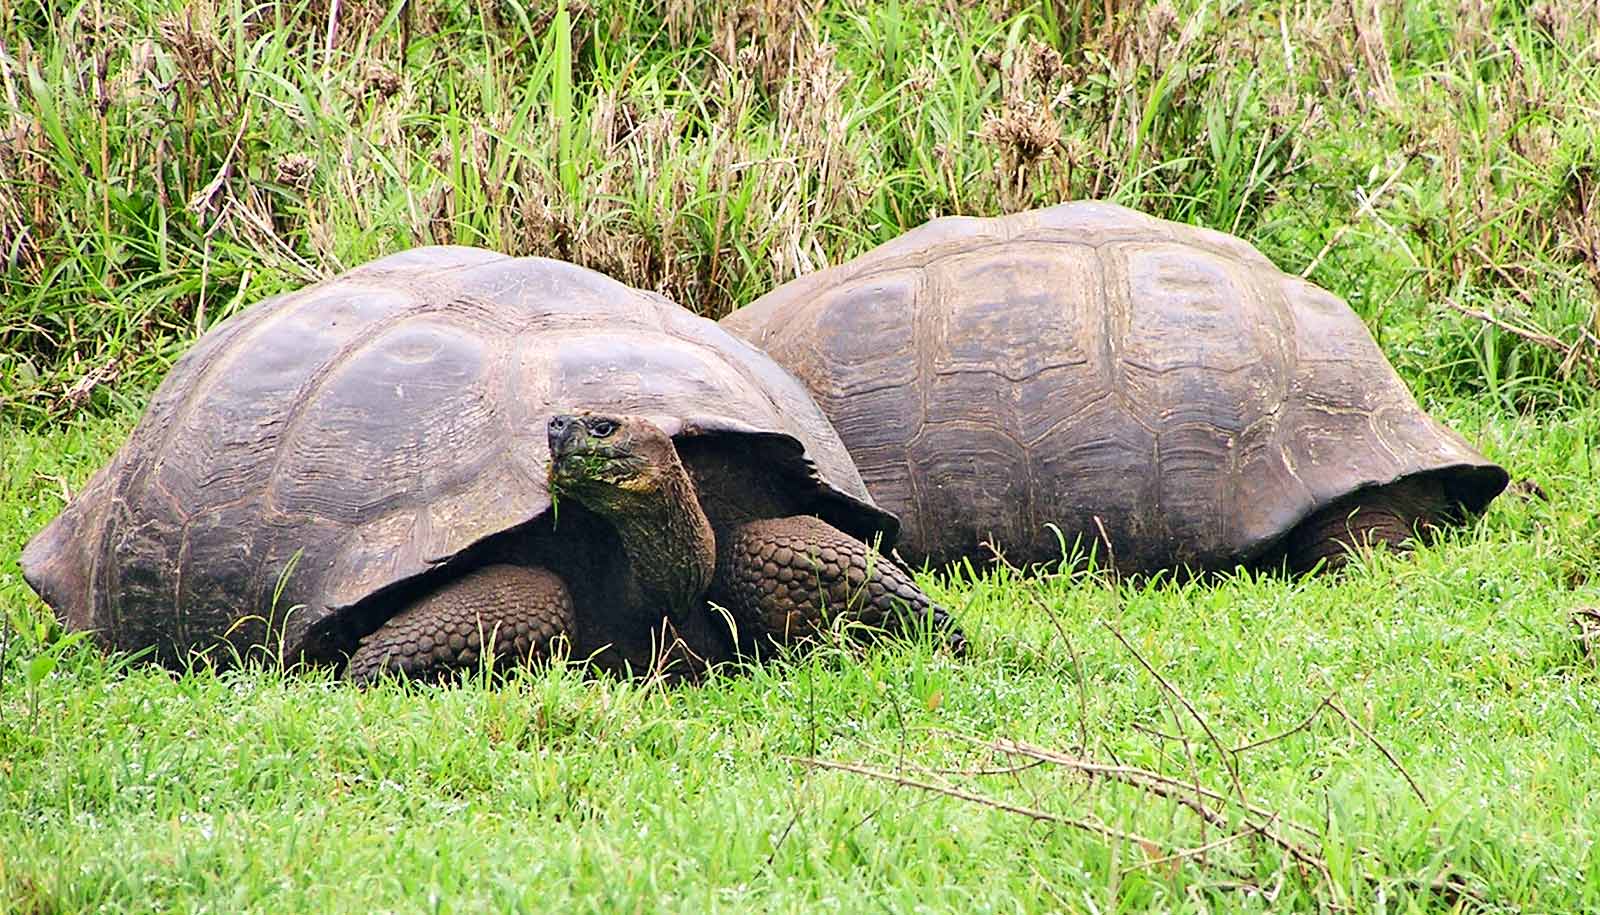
132,789
163,164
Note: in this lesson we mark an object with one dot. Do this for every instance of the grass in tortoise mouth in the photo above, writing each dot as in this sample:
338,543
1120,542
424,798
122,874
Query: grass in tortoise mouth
569,470
566,473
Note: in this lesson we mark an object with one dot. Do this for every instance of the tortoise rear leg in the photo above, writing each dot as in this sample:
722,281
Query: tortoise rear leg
1392,515
520,611
786,578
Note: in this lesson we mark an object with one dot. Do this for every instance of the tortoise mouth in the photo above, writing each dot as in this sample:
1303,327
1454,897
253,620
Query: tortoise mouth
584,455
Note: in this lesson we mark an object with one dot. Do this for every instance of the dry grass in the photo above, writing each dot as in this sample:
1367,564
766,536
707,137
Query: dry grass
169,162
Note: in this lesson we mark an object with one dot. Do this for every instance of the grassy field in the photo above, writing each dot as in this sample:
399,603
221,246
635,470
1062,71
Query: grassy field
1415,735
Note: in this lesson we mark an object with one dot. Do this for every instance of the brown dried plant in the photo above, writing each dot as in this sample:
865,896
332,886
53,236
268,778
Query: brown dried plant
1026,129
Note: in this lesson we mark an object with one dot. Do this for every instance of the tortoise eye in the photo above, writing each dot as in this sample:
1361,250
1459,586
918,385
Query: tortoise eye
602,428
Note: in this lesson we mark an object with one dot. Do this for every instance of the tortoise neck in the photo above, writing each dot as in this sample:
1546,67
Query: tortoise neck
668,541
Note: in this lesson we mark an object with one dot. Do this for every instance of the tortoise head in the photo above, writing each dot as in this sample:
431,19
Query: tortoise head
627,470
610,461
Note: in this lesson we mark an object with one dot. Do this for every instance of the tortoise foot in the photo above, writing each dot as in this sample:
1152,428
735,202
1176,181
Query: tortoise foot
785,579
1395,515
520,612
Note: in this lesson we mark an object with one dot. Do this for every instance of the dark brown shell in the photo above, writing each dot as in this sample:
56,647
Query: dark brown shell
328,444
992,377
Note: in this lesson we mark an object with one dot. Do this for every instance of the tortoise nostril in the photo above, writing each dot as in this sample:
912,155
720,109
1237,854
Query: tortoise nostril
561,431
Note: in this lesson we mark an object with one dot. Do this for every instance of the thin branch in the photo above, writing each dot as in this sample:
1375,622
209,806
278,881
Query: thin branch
1568,351
1132,775
201,201
1111,550
1093,826
1191,852
1332,703
998,770
1289,733
1228,759
1179,792
1269,824
1157,732
1077,668
1064,905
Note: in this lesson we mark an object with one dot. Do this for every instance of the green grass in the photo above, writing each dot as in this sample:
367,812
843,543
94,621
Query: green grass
134,789
163,164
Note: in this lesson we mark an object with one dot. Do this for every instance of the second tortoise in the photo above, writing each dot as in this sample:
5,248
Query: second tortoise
1087,373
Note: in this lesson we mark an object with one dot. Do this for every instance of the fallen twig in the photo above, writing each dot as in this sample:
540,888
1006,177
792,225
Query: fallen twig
1228,758
1077,673
987,770
1131,775
1093,826
1148,845
1157,732
1190,852
1333,703
1568,351
1180,792
1289,733
1260,822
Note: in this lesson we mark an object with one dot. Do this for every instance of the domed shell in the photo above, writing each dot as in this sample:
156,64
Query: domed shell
328,444
1093,368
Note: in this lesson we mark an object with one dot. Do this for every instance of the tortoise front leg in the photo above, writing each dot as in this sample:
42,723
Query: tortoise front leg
520,610
786,578
1393,515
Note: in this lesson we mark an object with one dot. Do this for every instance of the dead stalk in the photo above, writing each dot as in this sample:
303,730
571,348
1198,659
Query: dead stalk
1228,758
1100,829
1195,852
1289,733
1333,703
1568,351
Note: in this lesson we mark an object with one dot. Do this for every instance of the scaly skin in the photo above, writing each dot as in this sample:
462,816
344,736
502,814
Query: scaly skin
523,611
784,579
1391,515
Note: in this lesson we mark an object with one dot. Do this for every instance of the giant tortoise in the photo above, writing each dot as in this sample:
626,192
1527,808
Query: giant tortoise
361,473
1089,374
